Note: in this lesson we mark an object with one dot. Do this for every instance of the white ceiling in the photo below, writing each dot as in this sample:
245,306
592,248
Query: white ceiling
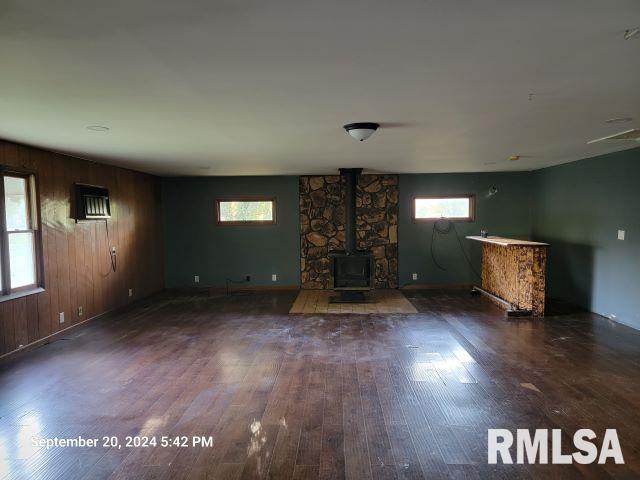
204,87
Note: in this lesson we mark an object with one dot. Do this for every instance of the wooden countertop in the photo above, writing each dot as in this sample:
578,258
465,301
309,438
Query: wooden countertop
505,242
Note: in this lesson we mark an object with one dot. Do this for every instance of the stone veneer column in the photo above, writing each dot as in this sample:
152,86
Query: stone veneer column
377,224
322,219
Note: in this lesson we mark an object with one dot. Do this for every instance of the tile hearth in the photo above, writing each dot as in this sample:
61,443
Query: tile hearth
386,301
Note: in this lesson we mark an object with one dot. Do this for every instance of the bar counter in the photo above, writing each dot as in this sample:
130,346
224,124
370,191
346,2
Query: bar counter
513,273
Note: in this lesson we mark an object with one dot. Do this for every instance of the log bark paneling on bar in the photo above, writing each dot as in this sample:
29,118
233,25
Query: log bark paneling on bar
76,263
514,270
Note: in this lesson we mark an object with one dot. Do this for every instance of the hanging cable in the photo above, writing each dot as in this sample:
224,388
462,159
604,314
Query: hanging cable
444,226
112,253
437,228
464,252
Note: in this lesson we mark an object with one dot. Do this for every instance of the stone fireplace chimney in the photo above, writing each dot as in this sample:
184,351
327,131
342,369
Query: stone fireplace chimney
323,201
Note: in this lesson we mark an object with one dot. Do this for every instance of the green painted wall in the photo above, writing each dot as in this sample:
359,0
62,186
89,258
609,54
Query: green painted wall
578,208
195,245
506,213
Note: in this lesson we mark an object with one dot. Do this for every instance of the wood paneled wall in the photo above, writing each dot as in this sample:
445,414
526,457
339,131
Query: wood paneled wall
77,268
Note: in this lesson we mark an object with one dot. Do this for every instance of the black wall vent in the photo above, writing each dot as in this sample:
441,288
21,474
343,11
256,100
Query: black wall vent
92,202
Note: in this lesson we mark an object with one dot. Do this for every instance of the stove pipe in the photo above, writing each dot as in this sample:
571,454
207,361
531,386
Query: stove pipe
351,177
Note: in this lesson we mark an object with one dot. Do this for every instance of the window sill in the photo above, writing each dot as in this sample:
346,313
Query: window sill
25,293
433,220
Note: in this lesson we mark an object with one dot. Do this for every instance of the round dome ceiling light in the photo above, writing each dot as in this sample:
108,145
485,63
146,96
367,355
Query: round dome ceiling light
361,130
98,128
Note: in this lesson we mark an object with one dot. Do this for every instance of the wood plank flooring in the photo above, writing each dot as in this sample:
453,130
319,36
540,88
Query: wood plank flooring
321,396
385,301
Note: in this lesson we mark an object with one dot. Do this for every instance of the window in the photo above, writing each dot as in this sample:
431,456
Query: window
453,207
18,233
246,211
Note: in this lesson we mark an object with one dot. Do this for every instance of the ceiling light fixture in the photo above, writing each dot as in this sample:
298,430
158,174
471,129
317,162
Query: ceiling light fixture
513,158
361,130
631,33
97,128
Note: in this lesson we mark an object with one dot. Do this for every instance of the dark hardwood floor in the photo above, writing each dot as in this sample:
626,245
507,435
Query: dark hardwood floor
317,396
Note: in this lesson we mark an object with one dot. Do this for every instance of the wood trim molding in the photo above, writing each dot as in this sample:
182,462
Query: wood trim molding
4,241
59,333
436,286
248,288
33,220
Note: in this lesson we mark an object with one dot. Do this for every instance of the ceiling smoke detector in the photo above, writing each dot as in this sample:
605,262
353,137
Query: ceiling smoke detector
361,130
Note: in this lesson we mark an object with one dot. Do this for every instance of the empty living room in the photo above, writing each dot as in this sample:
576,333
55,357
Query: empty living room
324,240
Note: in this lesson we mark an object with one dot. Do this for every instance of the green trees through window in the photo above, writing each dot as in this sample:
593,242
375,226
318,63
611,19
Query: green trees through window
454,208
246,211
18,234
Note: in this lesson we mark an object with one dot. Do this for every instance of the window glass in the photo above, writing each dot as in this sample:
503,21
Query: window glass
20,248
16,203
246,211
434,208
22,259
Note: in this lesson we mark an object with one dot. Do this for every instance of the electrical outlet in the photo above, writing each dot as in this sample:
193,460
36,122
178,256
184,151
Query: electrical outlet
414,276
621,234
131,292
80,311
61,316
247,278
274,278
196,278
